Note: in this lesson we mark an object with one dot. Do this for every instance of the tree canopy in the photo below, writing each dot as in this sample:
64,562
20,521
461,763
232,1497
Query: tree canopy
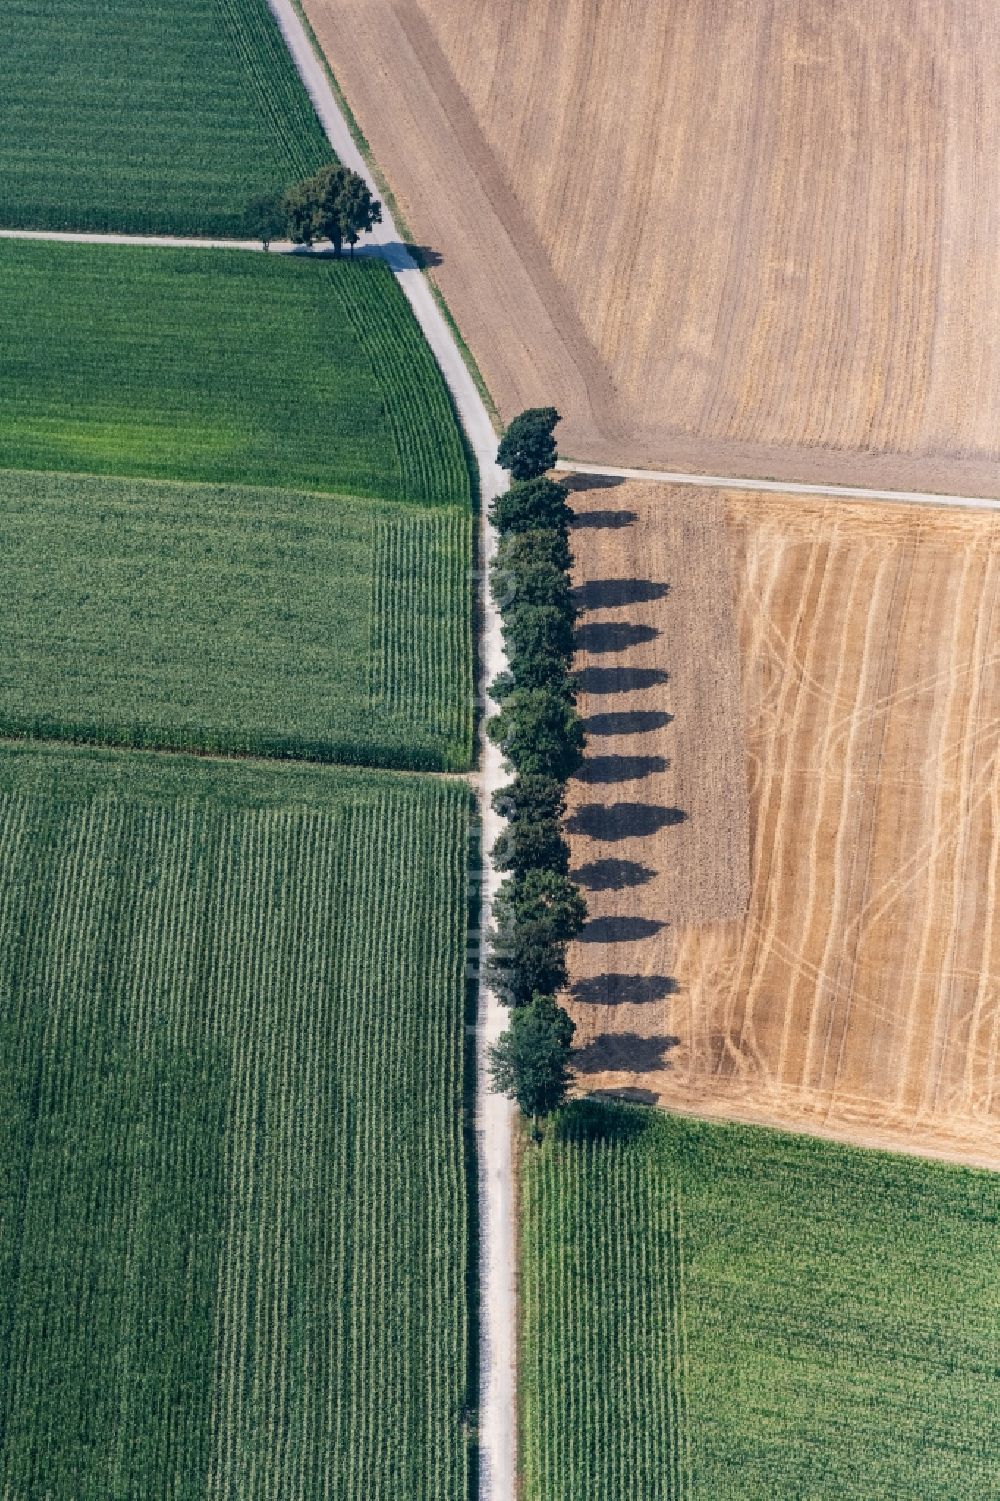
533,505
335,204
530,1063
528,448
539,731
266,217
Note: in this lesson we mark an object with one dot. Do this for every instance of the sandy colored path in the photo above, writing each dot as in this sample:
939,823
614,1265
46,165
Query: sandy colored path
859,995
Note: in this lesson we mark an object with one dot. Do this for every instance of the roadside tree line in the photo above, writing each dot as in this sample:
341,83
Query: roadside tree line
538,909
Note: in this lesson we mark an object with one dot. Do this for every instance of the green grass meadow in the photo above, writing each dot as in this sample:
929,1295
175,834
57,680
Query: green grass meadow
717,1313
222,366
161,117
262,622
233,1197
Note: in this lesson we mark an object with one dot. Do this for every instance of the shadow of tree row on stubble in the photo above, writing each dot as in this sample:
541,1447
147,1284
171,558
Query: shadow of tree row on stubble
614,822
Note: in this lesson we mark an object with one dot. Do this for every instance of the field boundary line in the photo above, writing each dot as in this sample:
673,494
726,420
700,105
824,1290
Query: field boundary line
784,487
494,1115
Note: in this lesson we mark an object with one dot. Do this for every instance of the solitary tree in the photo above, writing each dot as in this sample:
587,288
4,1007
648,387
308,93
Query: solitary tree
539,731
266,217
335,204
531,505
527,449
530,1062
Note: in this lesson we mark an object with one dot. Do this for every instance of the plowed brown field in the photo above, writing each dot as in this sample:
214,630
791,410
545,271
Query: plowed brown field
744,239
860,994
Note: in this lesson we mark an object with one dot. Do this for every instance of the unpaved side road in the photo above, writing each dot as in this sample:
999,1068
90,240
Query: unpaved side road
494,1115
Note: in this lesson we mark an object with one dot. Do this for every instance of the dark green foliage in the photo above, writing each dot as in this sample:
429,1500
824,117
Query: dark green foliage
531,844
539,732
535,505
164,116
531,797
534,916
528,448
233,1196
530,1063
222,366
264,622
531,569
267,218
539,643
721,1313
334,204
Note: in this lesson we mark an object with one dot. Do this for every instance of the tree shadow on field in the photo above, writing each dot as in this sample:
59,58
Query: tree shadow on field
425,256
580,481
599,1118
599,680
612,521
613,635
624,1052
627,722
612,594
612,875
614,821
621,929
614,989
599,770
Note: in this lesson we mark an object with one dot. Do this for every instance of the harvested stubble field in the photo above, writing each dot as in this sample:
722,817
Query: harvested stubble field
722,1313
860,994
264,622
752,238
163,117
233,1206
222,366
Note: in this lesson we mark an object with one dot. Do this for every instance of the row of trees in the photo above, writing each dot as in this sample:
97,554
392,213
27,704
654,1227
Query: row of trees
538,908
334,204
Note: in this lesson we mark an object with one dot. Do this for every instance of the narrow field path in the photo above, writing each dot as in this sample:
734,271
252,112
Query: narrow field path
494,1115
783,487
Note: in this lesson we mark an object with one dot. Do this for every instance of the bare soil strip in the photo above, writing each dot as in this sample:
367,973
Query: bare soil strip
860,994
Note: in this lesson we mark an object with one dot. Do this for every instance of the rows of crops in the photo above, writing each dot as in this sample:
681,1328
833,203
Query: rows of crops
221,366
233,1207
165,117
255,621
420,657
714,1312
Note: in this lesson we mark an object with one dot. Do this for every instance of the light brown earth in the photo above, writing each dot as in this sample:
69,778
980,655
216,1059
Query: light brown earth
754,238
860,995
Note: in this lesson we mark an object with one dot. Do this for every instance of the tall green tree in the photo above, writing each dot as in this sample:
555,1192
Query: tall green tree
531,844
530,1062
528,448
534,917
539,731
531,797
533,505
335,204
528,570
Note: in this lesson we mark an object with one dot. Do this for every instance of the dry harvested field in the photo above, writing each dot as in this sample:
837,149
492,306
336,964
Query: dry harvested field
744,239
859,996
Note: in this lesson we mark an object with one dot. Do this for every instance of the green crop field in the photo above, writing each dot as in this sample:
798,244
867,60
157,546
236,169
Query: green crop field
233,1197
255,621
715,1313
161,117
222,366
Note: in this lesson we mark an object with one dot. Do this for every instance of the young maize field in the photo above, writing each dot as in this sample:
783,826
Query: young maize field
261,622
225,367
164,117
233,1203
720,1313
